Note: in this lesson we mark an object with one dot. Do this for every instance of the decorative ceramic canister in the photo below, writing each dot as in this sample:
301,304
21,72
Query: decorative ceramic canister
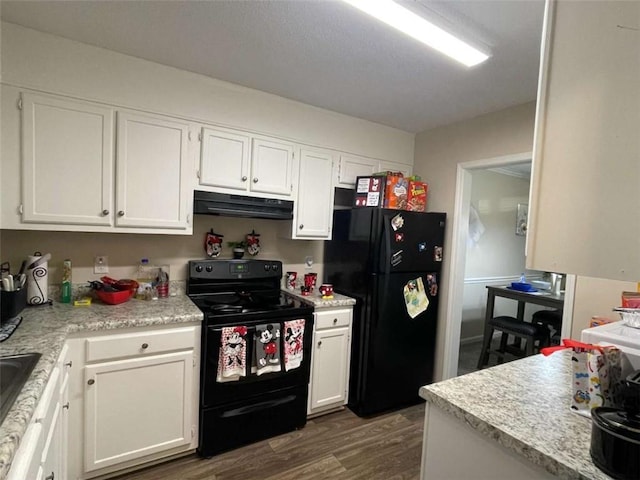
213,244
253,243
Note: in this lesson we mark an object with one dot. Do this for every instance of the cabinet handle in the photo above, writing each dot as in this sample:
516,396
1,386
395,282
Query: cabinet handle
320,343
255,179
69,364
91,381
66,405
121,213
50,477
105,212
301,226
145,346
335,320
244,178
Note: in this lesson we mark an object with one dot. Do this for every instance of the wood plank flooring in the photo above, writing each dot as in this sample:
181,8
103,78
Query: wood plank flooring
337,446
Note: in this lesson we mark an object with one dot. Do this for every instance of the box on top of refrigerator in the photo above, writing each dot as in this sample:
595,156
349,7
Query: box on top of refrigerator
417,196
396,191
370,191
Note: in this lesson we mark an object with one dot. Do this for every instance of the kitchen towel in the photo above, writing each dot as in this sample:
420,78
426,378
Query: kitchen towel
233,353
294,334
37,281
266,352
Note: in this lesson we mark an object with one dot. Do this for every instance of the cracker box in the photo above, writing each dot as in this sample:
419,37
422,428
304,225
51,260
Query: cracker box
370,191
417,196
395,195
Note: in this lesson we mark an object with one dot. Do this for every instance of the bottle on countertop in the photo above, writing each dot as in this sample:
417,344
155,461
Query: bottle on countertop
66,282
146,278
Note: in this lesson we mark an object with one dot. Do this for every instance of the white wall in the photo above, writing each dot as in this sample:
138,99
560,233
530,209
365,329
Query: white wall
498,256
48,63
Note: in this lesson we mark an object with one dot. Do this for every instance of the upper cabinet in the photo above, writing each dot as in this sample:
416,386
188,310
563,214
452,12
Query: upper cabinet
70,180
67,161
586,169
314,209
404,168
352,166
233,161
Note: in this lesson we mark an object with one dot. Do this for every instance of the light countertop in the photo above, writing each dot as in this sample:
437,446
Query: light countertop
44,329
524,406
317,301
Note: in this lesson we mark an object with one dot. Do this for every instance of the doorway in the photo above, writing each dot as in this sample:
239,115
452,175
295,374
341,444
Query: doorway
460,238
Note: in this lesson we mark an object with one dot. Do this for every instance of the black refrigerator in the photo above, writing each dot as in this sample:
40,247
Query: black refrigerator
387,260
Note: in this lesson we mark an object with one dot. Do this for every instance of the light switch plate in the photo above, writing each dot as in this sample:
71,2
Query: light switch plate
101,264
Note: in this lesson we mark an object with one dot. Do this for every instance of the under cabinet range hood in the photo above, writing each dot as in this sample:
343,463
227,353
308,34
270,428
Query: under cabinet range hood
230,205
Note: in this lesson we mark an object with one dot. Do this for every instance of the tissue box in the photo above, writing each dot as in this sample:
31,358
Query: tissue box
417,196
370,191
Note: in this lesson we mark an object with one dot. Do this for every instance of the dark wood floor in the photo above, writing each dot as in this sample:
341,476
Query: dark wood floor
335,446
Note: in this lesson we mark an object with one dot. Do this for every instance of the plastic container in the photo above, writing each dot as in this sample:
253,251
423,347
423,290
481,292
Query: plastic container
146,278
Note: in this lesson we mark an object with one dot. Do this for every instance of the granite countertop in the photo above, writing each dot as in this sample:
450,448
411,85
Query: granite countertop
524,406
44,329
318,302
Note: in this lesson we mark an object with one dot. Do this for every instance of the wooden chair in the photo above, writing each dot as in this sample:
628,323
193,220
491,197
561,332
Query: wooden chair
552,320
534,336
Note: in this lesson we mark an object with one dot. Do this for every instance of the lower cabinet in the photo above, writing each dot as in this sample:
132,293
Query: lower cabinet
136,395
328,389
43,450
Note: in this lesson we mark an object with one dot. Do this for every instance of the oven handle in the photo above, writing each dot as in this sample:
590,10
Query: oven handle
256,407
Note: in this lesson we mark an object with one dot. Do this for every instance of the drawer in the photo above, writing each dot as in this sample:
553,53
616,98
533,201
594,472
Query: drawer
333,318
140,343
48,402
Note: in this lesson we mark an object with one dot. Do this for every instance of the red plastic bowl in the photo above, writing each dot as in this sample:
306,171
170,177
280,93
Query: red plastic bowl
114,298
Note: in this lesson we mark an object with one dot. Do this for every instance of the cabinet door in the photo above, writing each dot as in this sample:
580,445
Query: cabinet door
224,159
137,407
152,171
52,452
352,166
314,208
329,371
67,161
271,167
584,192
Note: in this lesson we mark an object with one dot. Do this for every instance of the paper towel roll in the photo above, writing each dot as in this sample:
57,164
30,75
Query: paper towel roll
37,282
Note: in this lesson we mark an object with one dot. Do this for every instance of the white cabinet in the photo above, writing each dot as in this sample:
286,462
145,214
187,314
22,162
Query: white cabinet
584,191
234,161
67,161
314,208
352,166
42,452
152,185
331,353
137,392
73,180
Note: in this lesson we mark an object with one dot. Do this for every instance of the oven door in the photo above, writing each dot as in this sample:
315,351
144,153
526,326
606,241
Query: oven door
251,385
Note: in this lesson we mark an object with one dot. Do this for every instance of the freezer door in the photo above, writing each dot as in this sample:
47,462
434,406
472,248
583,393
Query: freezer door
396,351
410,241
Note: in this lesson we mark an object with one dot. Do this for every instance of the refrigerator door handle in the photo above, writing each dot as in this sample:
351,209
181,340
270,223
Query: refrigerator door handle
386,257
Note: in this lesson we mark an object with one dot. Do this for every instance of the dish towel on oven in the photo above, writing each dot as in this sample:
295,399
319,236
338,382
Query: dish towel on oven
294,333
266,352
233,352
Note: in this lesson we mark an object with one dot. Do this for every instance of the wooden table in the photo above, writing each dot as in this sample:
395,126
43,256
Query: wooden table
544,299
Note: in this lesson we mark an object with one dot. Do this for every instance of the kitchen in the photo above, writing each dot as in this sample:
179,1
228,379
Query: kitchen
54,69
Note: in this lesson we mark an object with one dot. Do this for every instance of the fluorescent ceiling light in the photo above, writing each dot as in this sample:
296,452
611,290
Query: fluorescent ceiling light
417,27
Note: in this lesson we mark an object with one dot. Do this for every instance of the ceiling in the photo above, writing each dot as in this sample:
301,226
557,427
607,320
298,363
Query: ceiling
320,52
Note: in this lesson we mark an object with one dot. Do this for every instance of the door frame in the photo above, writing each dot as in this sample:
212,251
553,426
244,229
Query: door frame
458,250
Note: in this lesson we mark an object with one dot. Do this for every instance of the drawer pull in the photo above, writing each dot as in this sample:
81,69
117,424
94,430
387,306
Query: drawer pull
335,320
145,346
91,381
50,477
66,405
69,364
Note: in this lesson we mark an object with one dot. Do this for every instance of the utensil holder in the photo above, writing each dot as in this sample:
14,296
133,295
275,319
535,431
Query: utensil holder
12,303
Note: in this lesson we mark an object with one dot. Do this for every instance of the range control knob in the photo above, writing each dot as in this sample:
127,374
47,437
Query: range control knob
198,268
267,267
209,268
274,267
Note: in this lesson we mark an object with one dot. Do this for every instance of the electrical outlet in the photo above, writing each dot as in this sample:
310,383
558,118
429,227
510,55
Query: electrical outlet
101,264
308,262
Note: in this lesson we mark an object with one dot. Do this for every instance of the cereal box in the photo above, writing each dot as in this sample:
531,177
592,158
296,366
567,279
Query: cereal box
395,195
417,196
370,191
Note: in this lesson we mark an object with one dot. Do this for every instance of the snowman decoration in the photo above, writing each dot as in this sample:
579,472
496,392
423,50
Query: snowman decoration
253,243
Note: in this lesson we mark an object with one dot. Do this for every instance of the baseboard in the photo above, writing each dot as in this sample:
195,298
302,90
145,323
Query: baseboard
466,341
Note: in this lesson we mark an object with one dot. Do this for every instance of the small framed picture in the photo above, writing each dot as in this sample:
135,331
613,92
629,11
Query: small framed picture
521,219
